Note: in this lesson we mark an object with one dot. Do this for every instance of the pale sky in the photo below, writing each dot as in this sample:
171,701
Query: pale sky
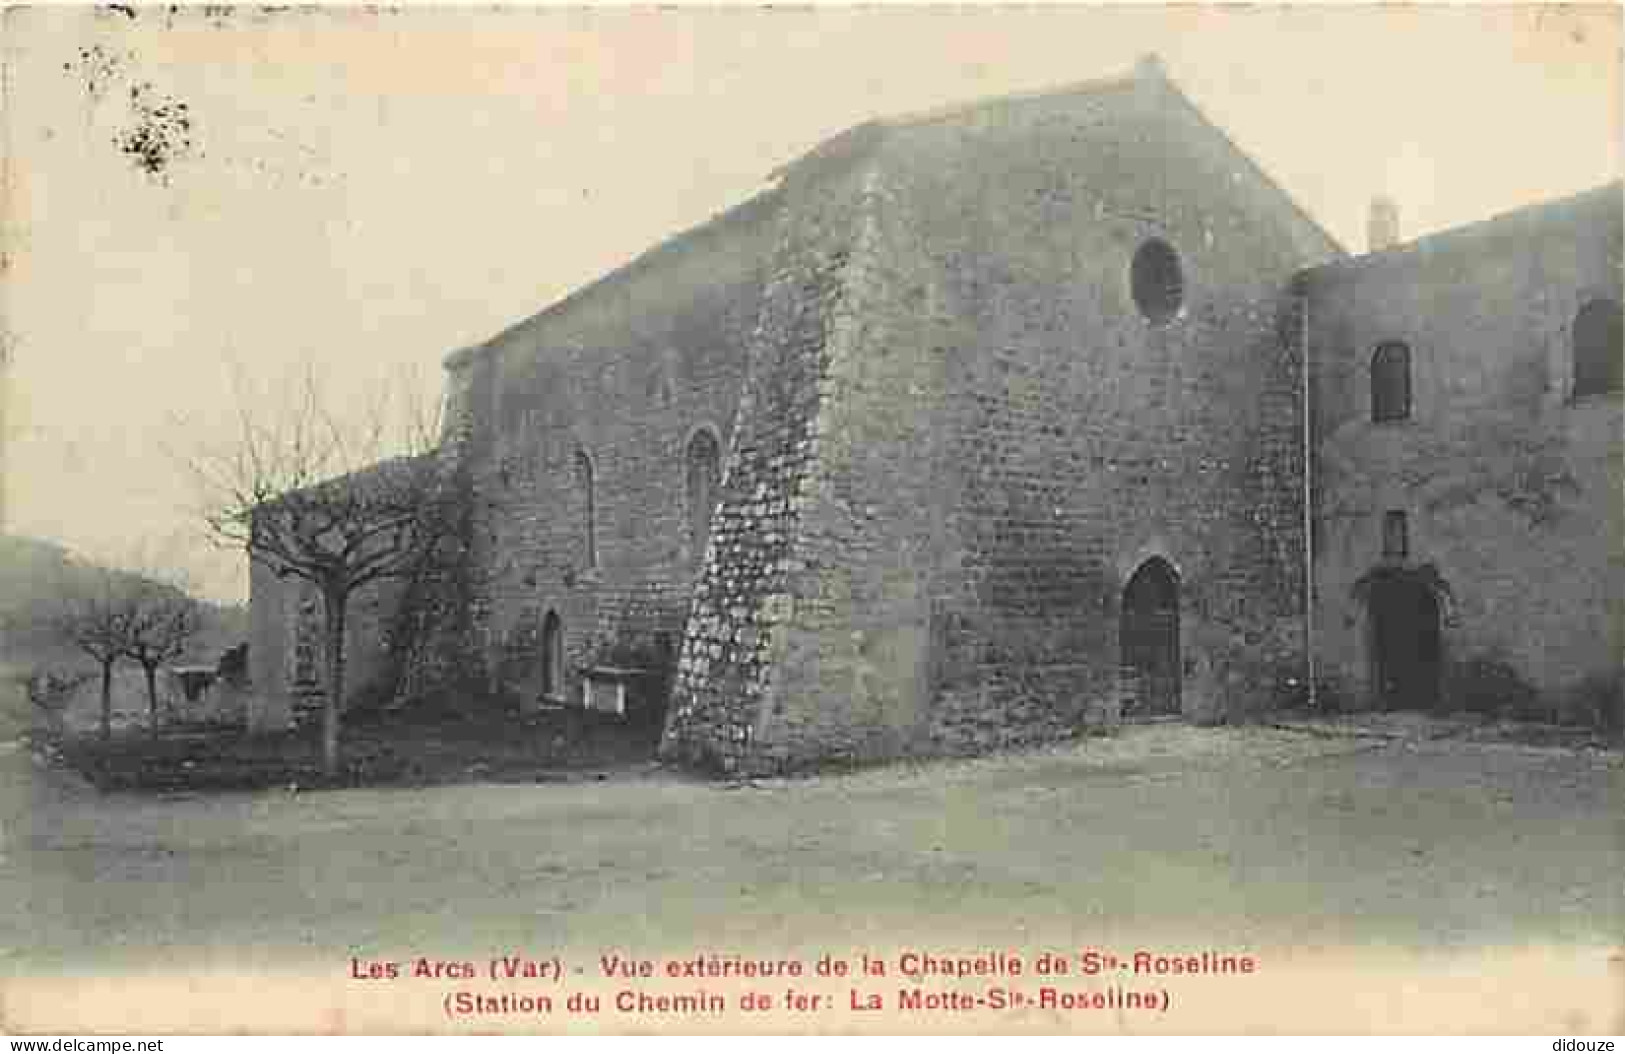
371,191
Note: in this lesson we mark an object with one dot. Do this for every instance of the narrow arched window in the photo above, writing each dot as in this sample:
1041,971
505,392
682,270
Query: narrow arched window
589,507
702,467
1396,540
1597,348
552,657
1391,382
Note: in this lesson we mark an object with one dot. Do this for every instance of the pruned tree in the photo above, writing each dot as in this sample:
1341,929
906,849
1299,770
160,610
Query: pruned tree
137,610
160,622
95,618
337,500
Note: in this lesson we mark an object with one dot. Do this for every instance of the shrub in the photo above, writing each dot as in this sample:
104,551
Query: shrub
372,696
50,690
1490,686
1597,702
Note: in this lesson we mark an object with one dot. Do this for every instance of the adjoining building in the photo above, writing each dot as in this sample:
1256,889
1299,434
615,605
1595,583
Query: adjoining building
985,425
1465,396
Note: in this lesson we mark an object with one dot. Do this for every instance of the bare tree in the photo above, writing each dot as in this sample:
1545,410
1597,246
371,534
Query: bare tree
337,500
161,621
161,617
95,618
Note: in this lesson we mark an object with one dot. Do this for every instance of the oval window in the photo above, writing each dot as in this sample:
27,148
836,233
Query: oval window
1156,281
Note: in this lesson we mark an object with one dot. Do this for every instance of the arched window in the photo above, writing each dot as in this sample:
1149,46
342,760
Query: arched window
1391,382
552,657
702,467
1396,541
1597,348
589,507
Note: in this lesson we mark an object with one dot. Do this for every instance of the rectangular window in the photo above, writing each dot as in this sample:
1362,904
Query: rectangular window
1391,383
1395,535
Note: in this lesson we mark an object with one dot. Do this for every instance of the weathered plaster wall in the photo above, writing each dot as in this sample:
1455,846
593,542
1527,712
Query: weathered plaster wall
1511,487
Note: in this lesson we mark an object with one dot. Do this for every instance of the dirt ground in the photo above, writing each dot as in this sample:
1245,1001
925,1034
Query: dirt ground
1386,842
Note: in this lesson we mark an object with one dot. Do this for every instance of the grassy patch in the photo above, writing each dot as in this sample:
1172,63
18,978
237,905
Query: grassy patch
378,750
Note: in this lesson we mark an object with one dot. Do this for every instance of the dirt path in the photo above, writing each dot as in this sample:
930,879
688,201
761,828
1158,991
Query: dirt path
1230,832
1228,837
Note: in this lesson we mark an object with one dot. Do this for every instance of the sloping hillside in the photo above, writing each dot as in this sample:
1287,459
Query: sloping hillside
35,574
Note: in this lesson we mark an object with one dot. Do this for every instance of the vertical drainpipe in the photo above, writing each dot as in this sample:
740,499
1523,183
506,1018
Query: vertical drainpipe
1308,509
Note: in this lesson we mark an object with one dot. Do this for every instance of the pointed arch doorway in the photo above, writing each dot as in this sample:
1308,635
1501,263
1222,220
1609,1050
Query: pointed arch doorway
1149,641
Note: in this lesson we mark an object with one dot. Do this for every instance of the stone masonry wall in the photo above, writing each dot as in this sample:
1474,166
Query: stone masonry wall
1510,485
285,612
1082,438
949,437
849,659
270,632
624,373
736,641
430,631
969,439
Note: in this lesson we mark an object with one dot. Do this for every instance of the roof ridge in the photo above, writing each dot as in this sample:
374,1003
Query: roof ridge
948,111
1149,67
1484,226
1258,169
739,212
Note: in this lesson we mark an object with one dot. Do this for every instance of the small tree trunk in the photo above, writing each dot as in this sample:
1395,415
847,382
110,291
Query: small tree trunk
334,603
152,699
107,699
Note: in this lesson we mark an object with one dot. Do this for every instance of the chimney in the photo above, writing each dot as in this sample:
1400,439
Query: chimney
1382,227
1150,67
